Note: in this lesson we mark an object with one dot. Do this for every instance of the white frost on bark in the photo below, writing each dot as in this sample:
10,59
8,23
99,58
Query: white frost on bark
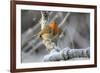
66,54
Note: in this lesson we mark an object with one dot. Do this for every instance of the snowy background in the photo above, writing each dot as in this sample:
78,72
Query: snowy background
76,28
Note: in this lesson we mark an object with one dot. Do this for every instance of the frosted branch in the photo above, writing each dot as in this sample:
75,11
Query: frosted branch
66,54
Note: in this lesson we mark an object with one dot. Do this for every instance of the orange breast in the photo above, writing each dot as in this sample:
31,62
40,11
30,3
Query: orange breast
53,25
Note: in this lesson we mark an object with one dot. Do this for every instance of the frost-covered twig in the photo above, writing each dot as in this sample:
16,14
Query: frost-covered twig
66,54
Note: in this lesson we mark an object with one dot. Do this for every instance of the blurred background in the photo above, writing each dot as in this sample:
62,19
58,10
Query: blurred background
76,28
